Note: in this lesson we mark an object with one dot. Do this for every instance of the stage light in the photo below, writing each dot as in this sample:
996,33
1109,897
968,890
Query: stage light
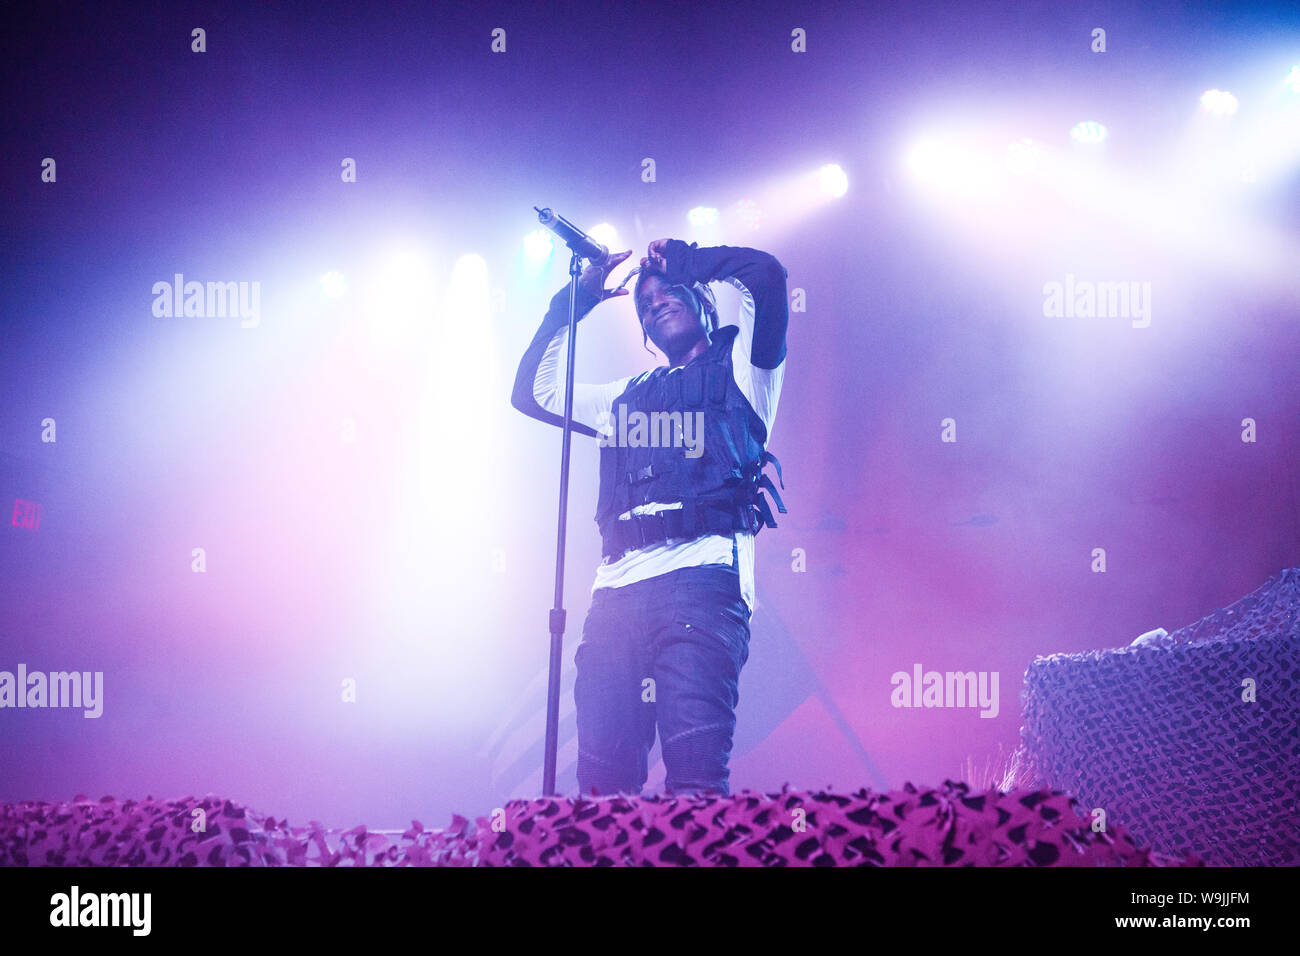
702,216
749,214
927,161
834,181
955,167
1292,80
1024,156
1218,102
334,284
470,270
538,245
401,293
1268,152
971,166
462,368
1089,133
605,234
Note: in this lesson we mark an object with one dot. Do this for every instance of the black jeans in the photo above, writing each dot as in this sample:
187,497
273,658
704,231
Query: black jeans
667,650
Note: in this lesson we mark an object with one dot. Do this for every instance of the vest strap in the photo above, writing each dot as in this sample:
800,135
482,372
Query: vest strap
765,484
769,457
696,518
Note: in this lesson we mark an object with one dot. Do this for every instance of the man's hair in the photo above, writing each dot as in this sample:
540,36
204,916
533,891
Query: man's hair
698,294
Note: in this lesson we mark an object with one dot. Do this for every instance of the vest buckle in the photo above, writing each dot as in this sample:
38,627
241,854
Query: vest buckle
643,523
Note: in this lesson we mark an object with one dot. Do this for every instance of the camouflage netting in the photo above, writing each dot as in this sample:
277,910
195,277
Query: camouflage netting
1160,737
931,826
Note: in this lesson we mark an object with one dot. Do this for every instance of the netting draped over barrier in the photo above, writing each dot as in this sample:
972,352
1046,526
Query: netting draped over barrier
1167,740
932,826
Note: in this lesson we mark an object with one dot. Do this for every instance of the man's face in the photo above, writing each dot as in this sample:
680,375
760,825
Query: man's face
668,315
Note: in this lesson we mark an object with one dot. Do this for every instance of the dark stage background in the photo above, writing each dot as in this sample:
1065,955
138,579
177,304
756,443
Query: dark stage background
375,519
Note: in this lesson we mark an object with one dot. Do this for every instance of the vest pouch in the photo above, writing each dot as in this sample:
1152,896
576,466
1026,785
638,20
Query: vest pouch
692,379
717,386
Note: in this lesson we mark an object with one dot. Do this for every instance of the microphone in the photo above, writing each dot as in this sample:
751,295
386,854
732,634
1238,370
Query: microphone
582,244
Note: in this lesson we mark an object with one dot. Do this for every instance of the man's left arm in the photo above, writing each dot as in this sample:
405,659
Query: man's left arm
761,275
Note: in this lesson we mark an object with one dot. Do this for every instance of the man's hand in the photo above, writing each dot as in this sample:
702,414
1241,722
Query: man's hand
654,260
593,277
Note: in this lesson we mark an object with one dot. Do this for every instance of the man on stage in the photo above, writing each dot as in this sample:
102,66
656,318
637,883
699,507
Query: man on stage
682,452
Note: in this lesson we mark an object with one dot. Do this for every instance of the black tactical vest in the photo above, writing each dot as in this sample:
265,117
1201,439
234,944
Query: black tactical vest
716,475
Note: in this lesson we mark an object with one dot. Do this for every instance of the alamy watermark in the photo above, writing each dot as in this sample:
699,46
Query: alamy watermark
946,689
75,908
652,430
1083,298
82,689
210,300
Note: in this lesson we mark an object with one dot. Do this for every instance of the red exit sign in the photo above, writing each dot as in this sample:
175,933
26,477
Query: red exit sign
27,514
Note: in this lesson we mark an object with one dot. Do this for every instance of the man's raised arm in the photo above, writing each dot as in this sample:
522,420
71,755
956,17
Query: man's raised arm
539,383
757,271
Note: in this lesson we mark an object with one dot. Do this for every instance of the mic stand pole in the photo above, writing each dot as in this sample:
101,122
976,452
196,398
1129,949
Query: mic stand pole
557,611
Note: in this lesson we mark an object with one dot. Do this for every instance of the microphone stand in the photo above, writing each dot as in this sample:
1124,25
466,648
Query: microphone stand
557,615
